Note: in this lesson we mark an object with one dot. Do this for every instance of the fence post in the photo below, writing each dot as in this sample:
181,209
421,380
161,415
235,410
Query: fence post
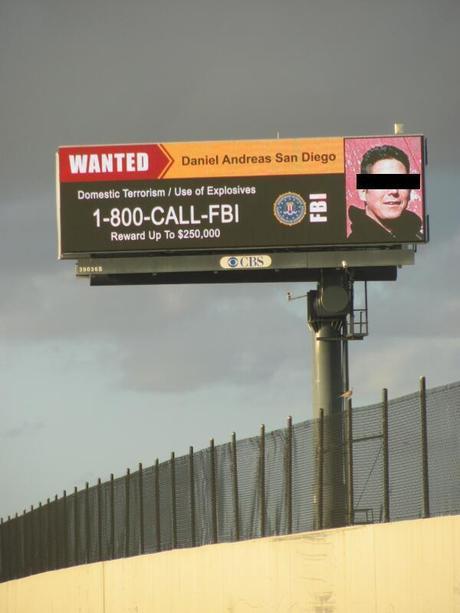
49,548
20,521
213,492
56,532
4,528
12,548
236,502
288,475
173,499
87,524
10,555
112,516
7,551
425,476
41,552
2,550
24,544
99,519
76,525
64,511
141,508
157,504
262,479
349,413
386,458
12,551
192,495
16,545
127,502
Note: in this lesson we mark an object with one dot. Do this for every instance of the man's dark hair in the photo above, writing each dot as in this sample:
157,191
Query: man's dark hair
383,152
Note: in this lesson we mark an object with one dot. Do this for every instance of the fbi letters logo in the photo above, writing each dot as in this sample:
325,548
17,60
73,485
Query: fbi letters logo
289,208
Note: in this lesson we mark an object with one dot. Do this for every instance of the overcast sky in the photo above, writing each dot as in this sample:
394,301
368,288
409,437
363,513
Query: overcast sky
93,380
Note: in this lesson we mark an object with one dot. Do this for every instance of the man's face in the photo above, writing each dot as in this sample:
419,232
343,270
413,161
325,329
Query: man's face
386,204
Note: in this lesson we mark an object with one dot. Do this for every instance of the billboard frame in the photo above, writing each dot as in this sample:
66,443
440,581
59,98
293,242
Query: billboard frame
364,265
270,248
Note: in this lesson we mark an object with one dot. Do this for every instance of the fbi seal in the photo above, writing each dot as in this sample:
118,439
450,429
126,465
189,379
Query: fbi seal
289,208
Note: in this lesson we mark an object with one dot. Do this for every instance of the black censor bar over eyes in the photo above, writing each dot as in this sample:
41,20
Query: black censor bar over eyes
387,181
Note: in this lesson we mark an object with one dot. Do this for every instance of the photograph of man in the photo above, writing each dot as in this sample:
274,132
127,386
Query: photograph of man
384,216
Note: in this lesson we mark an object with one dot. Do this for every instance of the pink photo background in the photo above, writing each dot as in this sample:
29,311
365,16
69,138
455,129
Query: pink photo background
355,148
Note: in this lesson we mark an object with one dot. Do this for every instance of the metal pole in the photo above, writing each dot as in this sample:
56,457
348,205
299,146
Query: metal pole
327,390
350,463
288,476
320,471
173,500
157,504
141,508
386,462
424,432
192,496
213,492
262,479
236,504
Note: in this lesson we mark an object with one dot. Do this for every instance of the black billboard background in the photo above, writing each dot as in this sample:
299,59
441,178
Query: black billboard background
257,227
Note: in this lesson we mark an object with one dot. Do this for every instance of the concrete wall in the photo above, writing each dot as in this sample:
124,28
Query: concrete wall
411,566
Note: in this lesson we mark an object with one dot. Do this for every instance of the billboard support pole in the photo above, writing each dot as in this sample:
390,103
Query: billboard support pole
328,307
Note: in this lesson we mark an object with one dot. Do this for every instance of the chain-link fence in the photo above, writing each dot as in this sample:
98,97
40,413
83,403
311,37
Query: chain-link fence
403,463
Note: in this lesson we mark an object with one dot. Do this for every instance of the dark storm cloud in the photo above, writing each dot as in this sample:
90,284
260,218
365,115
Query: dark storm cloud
165,338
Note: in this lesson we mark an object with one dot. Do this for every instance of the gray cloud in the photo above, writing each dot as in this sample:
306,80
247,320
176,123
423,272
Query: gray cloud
26,428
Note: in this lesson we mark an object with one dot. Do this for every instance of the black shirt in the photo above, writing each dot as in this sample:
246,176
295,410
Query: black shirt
406,228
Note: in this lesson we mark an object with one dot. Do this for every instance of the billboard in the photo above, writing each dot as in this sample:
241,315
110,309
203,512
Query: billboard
225,196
